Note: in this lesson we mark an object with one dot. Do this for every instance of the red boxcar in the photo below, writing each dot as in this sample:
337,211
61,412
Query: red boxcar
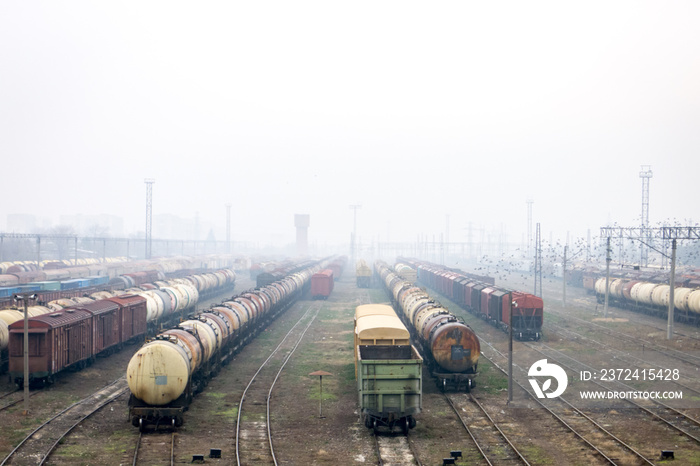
322,284
528,316
57,341
132,321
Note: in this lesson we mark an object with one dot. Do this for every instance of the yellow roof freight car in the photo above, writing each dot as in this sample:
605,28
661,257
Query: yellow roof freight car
391,331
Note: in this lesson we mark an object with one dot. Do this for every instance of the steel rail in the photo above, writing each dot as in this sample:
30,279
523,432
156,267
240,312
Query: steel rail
269,393
643,408
61,413
559,418
240,404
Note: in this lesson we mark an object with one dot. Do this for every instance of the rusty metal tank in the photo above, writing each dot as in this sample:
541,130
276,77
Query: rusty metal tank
454,344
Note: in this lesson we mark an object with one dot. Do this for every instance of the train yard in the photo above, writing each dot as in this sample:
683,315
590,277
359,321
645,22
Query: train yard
278,419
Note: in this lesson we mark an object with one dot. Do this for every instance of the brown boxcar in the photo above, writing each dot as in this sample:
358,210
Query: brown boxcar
57,341
105,325
322,284
132,320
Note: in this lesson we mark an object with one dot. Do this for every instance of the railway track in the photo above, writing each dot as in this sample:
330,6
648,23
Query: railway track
629,359
490,440
607,446
636,341
13,398
659,410
253,433
395,449
36,447
154,448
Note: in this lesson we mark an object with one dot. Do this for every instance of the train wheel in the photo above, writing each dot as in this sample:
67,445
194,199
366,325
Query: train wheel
469,385
404,426
375,427
142,427
411,422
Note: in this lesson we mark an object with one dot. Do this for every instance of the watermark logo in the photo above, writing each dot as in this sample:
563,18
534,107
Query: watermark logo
544,369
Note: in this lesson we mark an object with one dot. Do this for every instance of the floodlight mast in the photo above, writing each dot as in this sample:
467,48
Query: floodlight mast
646,174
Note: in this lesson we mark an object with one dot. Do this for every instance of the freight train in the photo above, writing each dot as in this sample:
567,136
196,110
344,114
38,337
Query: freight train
57,280
652,298
322,284
337,265
388,369
363,274
71,333
486,300
449,346
166,373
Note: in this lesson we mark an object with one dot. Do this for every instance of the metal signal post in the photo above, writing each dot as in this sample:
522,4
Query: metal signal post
24,297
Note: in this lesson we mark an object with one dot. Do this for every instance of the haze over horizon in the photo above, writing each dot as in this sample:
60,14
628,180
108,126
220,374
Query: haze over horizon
415,111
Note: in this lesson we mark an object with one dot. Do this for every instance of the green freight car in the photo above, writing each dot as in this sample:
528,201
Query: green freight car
389,382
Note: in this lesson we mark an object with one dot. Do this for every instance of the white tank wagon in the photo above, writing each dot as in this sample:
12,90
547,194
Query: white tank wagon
166,373
652,298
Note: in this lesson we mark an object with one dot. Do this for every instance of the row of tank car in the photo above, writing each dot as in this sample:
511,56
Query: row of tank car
70,333
652,298
388,369
53,280
166,373
449,346
491,302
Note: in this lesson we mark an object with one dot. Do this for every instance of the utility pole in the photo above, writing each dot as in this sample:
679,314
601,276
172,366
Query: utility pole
447,234
510,349
529,203
671,304
228,228
607,277
538,263
149,214
353,241
563,278
24,298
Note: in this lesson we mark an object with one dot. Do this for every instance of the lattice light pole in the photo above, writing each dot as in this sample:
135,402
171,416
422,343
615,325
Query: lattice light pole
663,233
538,263
646,174
149,214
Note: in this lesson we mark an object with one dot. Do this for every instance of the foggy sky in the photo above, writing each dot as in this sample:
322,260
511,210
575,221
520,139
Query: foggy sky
415,110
